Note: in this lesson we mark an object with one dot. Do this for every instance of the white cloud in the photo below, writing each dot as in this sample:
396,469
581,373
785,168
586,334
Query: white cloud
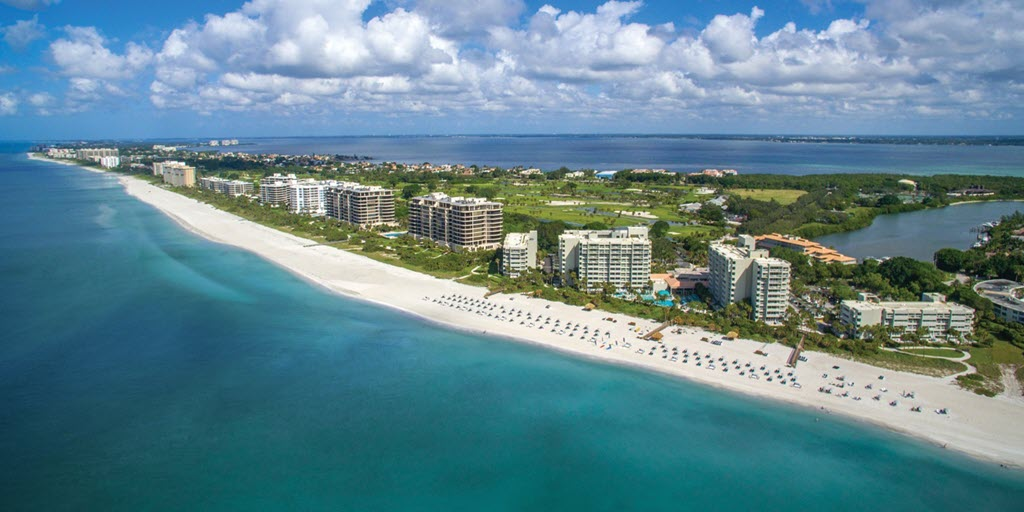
84,54
460,18
8,104
576,46
29,5
731,38
22,33
433,57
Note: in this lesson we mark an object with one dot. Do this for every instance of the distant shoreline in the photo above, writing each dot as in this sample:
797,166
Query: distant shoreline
986,428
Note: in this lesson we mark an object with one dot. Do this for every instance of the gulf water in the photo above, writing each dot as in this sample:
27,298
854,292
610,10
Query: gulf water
683,154
144,368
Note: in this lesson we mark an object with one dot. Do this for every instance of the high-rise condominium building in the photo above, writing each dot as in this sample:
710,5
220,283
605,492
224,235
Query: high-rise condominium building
179,174
95,154
158,167
274,189
307,197
518,253
362,205
461,223
590,258
740,272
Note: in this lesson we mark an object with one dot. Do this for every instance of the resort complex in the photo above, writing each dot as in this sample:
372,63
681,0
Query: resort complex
932,318
365,206
225,186
460,223
1007,298
812,249
590,259
518,253
740,272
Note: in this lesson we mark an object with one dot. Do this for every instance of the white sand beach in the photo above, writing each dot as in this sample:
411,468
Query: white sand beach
987,428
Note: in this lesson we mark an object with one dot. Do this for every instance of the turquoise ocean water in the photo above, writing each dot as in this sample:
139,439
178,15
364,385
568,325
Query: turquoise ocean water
144,368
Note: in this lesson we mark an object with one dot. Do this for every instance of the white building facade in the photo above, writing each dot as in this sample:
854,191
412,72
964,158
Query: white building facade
740,272
936,319
518,253
590,259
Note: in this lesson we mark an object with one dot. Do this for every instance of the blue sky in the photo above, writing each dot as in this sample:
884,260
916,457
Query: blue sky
126,69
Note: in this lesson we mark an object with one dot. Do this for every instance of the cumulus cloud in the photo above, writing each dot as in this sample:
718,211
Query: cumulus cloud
459,18
8,104
322,57
576,46
83,53
29,5
22,33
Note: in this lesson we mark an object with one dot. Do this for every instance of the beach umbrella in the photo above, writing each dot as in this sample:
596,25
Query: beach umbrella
590,306
732,335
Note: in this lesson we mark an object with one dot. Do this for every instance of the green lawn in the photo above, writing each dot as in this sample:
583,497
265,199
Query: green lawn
899,361
935,352
781,196
989,379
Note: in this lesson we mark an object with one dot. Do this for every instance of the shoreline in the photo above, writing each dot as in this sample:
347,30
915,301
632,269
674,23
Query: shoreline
976,426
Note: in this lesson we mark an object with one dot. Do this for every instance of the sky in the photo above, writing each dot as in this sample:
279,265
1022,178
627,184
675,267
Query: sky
78,69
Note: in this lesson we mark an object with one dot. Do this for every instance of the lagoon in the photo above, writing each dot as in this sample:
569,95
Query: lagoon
919,234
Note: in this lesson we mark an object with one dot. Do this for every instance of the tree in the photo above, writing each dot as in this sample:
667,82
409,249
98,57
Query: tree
888,200
950,260
411,190
595,225
659,229
711,213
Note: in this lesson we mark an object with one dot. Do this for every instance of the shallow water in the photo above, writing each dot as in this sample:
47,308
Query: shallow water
145,368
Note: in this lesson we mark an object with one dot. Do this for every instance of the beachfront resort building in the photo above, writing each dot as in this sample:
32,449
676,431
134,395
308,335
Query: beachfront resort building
363,205
740,272
460,223
1007,298
225,186
158,167
811,249
308,197
274,189
518,253
933,317
589,259
95,154
108,162
178,174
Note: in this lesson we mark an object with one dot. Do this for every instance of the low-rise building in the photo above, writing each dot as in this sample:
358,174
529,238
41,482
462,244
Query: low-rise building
933,317
518,253
1007,298
808,247
741,272
225,186
592,258
363,205
460,223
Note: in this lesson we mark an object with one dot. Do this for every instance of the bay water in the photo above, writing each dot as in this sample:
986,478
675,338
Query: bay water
919,234
143,367
675,153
